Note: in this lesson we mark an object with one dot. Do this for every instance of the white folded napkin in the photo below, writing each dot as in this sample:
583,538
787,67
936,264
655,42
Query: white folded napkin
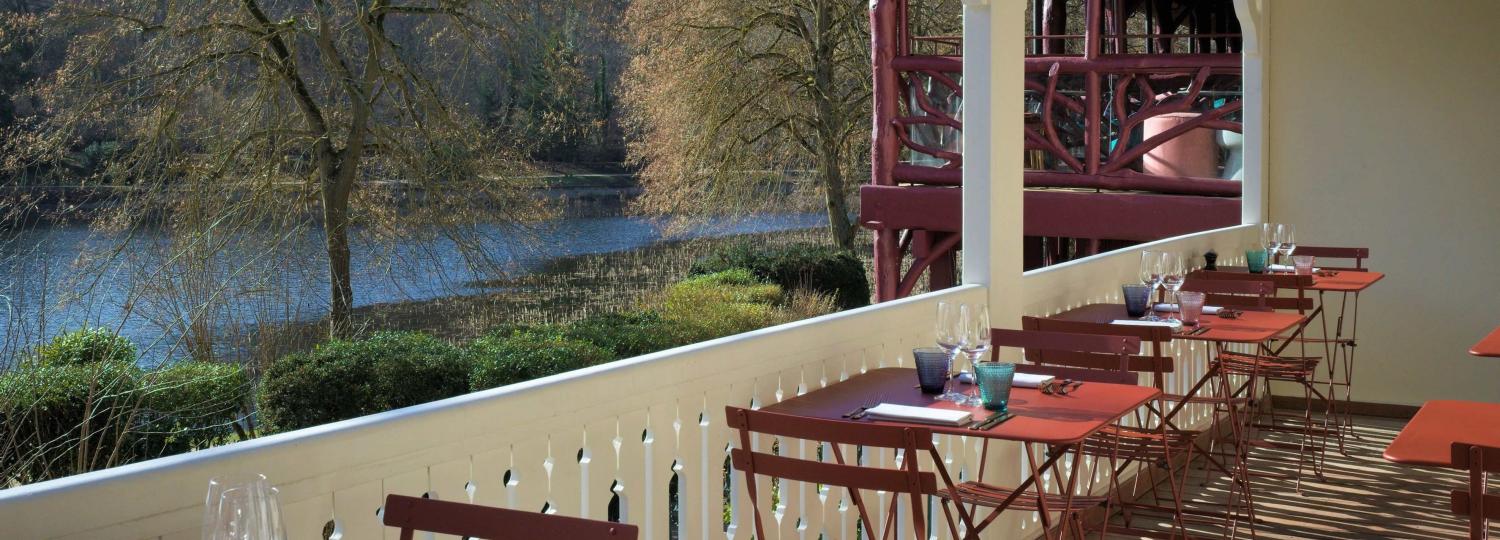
1174,324
1286,268
921,415
1207,310
1031,380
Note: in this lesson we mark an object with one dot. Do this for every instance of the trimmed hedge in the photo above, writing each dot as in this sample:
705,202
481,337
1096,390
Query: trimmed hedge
43,409
87,346
628,334
818,268
524,354
194,405
341,379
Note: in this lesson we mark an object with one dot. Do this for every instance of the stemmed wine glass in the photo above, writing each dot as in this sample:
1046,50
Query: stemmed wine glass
1172,275
975,344
1151,276
1268,237
242,508
949,336
1286,240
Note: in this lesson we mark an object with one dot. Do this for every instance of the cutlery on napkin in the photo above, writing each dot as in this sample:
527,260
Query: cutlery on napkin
920,415
1172,308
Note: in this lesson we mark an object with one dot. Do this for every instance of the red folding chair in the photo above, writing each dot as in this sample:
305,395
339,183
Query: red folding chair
908,480
411,514
1475,502
1261,368
1165,444
1339,347
1113,351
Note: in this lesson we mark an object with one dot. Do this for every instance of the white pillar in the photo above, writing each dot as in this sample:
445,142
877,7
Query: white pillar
1256,188
994,40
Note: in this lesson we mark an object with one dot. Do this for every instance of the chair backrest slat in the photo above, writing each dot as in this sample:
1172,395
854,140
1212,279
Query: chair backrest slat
1459,501
1358,254
1086,374
834,474
1462,458
472,520
1063,341
1152,363
818,429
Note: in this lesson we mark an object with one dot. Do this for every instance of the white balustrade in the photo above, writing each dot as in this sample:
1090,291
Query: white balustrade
616,436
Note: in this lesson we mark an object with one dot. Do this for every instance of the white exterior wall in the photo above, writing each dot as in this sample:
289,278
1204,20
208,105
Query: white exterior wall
1382,133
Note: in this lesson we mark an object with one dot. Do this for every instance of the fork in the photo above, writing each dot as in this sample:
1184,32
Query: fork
859,413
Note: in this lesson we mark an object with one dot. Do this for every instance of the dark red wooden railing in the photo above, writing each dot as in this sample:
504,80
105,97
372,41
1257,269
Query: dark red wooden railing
1086,188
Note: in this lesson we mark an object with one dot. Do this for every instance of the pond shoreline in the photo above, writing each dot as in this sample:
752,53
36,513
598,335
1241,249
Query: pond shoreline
560,291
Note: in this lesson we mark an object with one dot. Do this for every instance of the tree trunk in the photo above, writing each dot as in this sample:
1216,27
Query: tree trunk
839,224
829,126
336,241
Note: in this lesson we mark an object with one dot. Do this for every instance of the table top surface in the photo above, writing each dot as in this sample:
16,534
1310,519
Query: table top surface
1489,346
1341,281
1040,418
1428,438
1250,327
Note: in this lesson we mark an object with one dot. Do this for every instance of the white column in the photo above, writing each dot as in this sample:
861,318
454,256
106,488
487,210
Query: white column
1256,189
994,39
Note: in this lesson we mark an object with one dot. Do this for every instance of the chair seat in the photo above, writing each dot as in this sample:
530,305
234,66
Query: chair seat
990,496
1271,367
1211,400
1137,443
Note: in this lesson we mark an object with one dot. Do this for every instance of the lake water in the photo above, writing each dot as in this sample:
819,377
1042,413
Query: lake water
43,291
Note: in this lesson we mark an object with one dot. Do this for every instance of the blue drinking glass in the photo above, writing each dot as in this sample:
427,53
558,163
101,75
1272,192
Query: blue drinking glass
1255,260
995,379
1137,300
932,368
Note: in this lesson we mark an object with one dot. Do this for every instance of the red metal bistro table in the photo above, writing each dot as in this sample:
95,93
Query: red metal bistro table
1339,347
1489,346
1427,440
1060,422
1251,327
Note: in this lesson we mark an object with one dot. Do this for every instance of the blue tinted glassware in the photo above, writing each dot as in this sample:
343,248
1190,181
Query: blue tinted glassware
995,379
932,368
1137,299
1255,260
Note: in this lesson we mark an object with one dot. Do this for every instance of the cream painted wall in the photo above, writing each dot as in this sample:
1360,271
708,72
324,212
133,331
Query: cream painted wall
1384,131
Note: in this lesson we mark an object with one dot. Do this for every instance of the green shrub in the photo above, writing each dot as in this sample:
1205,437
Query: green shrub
721,304
525,354
86,346
824,269
44,410
340,379
628,334
192,405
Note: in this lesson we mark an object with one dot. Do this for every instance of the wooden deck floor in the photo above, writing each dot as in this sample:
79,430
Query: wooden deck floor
1362,496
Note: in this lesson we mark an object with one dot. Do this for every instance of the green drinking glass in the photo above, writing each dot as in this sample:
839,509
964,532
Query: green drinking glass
1255,260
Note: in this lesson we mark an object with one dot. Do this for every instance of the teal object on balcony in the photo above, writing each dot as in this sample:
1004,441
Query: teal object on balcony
994,383
1255,260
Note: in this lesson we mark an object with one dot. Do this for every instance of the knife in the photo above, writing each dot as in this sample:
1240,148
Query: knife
978,423
993,421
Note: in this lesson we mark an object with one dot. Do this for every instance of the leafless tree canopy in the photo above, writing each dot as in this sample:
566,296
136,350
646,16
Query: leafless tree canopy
726,99
283,116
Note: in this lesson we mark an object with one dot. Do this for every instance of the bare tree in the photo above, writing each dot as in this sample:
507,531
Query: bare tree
728,98
255,118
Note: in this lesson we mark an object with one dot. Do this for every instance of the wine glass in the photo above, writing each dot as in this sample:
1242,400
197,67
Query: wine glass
1286,240
244,508
1172,275
947,326
1151,275
958,333
1268,239
975,344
